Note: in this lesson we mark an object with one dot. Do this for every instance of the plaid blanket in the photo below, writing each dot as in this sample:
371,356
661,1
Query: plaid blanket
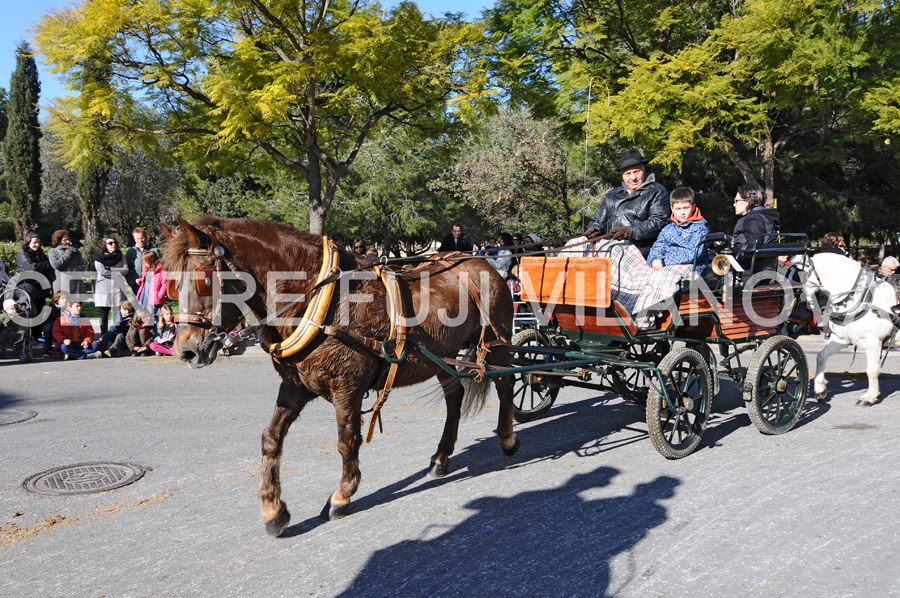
634,284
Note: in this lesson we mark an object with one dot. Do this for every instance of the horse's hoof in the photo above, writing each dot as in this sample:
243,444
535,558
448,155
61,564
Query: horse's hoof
509,452
332,512
438,470
862,403
277,526
822,396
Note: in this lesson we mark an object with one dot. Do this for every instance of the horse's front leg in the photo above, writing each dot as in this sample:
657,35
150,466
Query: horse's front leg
348,408
453,395
873,369
291,400
830,349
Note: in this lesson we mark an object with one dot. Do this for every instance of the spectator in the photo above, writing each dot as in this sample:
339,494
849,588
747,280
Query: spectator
165,339
65,259
504,258
338,240
152,285
134,254
35,277
372,253
678,241
9,329
636,210
456,240
111,270
359,247
889,265
57,305
833,243
113,342
490,248
533,242
4,277
74,334
139,336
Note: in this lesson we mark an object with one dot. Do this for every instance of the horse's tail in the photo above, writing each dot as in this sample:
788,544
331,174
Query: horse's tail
474,393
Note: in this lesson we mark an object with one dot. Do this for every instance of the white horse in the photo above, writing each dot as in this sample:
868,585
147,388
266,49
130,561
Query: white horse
859,310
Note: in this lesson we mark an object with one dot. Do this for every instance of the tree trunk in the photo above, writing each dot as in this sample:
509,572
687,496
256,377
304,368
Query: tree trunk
731,151
768,165
317,206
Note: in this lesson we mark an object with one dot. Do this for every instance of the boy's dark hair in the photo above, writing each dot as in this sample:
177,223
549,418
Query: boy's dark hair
681,194
127,306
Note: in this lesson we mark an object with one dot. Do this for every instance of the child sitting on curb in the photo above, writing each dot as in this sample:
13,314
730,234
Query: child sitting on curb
74,334
113,343
163,343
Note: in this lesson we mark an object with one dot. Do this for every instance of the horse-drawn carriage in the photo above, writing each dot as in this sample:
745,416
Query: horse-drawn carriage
400,328
588,339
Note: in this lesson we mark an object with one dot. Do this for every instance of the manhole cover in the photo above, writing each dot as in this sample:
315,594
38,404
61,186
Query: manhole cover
84,478
14,416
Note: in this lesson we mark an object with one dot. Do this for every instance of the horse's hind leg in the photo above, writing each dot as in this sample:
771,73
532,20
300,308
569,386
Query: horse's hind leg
830,349
509,440
873,368
291,400
453,395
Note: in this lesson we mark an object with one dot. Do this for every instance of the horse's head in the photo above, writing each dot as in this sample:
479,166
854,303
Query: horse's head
201,278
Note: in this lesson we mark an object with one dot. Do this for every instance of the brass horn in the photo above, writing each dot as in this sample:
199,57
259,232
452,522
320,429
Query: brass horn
720,265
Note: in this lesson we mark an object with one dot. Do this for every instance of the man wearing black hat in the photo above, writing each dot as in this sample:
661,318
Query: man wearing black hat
635,210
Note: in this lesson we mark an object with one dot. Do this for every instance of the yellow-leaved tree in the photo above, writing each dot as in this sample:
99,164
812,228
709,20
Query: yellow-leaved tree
300,83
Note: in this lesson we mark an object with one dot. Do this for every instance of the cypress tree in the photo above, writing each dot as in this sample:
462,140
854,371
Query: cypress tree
21,151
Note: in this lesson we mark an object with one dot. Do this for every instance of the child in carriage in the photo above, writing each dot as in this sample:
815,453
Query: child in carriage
678,241
642,288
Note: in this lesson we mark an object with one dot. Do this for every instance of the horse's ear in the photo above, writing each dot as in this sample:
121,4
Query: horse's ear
166,231
196,237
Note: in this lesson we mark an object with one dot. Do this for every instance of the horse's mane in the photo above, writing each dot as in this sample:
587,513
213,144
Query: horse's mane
277,245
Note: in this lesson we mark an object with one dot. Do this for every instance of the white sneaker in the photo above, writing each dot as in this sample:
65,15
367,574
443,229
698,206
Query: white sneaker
94,355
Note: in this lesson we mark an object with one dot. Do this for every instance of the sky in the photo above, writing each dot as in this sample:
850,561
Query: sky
19,16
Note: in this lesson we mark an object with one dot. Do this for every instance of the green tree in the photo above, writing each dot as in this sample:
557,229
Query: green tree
516,173
21,146
780,76
304,83
388,197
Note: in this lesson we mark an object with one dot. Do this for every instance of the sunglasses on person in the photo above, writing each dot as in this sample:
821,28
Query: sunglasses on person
357,247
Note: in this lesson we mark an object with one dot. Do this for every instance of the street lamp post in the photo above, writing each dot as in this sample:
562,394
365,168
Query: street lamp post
587,130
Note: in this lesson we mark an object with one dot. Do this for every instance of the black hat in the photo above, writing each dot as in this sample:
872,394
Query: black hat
631,158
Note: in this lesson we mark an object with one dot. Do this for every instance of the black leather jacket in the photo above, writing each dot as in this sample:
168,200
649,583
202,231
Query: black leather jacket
645,210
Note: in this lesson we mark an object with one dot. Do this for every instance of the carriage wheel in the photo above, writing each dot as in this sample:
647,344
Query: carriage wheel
676,428
778,378
533,394
632,384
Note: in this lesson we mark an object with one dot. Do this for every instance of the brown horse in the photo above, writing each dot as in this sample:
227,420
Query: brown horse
341,371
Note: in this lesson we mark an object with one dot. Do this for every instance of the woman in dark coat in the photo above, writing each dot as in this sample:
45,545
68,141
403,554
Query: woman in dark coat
756,220
65,258
833,243
35,277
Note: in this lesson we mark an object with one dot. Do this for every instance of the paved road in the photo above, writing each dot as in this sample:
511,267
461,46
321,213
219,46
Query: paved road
587,507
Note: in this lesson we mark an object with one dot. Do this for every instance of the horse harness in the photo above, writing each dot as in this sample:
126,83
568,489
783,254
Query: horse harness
862,294
317,310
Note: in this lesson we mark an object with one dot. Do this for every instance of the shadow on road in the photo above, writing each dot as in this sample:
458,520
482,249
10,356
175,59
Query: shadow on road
551,542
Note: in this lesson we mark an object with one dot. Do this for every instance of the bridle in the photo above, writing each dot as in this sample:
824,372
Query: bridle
209,278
